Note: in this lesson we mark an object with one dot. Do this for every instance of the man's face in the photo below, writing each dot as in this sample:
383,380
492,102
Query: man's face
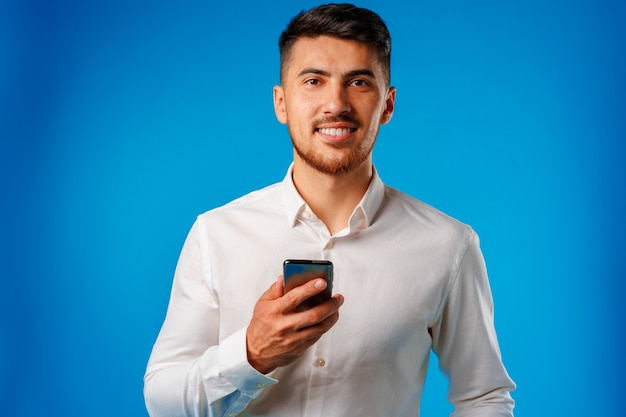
333,99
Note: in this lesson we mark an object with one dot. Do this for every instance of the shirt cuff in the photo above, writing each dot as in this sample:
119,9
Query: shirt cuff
234,365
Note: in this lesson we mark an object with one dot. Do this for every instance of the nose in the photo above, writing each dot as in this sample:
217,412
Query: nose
336,99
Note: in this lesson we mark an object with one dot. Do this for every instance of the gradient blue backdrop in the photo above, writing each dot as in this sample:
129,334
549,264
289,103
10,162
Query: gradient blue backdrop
121,121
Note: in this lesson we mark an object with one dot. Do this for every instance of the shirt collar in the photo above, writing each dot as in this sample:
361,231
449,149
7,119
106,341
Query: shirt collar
363,214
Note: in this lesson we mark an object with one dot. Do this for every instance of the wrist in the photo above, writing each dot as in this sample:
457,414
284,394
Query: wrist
255,360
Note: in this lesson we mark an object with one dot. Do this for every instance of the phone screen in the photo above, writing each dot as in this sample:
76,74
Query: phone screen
299,271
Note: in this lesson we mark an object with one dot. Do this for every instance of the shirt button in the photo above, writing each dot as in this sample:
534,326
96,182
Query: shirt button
232,414
320,362
330,244
261,384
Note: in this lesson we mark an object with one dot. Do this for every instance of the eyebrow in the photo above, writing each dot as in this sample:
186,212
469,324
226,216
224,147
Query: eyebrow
365,72
312,71
354,73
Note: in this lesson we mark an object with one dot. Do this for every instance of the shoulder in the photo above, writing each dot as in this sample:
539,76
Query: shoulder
262,206
421,214
266,197
423,227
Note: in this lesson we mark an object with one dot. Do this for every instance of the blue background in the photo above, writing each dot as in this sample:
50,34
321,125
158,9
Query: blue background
121,121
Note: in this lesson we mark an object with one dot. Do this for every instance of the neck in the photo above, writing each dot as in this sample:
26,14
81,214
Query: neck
332,197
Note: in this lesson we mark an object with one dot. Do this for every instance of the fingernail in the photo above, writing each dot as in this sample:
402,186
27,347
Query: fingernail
320,284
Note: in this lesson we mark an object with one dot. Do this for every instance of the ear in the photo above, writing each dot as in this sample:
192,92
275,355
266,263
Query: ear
279,104
389,106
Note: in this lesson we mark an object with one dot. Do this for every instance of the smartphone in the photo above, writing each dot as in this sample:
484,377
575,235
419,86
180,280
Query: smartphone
299,271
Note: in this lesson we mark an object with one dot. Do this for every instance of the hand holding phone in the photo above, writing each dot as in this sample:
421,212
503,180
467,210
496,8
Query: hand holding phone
278,334
299,271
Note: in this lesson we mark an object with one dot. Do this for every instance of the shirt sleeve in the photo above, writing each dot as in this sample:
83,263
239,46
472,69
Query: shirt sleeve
465,341
190,372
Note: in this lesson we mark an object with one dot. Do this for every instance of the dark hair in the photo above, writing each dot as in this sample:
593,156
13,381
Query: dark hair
344,21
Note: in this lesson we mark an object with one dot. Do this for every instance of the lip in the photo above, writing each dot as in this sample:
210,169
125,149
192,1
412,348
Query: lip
335,132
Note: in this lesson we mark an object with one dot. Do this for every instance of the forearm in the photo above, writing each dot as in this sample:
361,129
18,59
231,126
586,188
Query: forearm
218,383
496,403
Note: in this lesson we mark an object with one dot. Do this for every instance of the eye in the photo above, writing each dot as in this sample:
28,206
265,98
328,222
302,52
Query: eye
311,81
359,83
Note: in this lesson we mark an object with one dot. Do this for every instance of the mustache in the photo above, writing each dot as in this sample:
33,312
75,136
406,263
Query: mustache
344,117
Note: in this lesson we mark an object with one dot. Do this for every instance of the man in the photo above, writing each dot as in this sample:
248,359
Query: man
413,279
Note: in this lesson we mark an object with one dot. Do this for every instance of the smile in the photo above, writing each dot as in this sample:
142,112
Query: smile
333,131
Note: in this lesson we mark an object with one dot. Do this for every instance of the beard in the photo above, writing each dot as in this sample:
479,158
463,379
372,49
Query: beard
346,159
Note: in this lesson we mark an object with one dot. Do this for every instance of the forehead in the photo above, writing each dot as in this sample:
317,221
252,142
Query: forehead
332,55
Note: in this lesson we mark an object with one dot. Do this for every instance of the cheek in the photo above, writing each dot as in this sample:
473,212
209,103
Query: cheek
299,110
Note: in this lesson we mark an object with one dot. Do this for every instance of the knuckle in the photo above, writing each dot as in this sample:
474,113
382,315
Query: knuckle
291,298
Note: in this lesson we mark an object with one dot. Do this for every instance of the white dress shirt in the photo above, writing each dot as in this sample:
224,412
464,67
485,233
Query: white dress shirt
413,280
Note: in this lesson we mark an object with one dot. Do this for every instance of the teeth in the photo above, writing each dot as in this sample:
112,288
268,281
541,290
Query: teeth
334,131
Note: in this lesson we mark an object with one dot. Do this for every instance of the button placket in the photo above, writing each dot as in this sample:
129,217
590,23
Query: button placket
318,382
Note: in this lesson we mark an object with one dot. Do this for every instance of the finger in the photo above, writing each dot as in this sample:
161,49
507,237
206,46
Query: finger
294,297
316,330
279,286
319,314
